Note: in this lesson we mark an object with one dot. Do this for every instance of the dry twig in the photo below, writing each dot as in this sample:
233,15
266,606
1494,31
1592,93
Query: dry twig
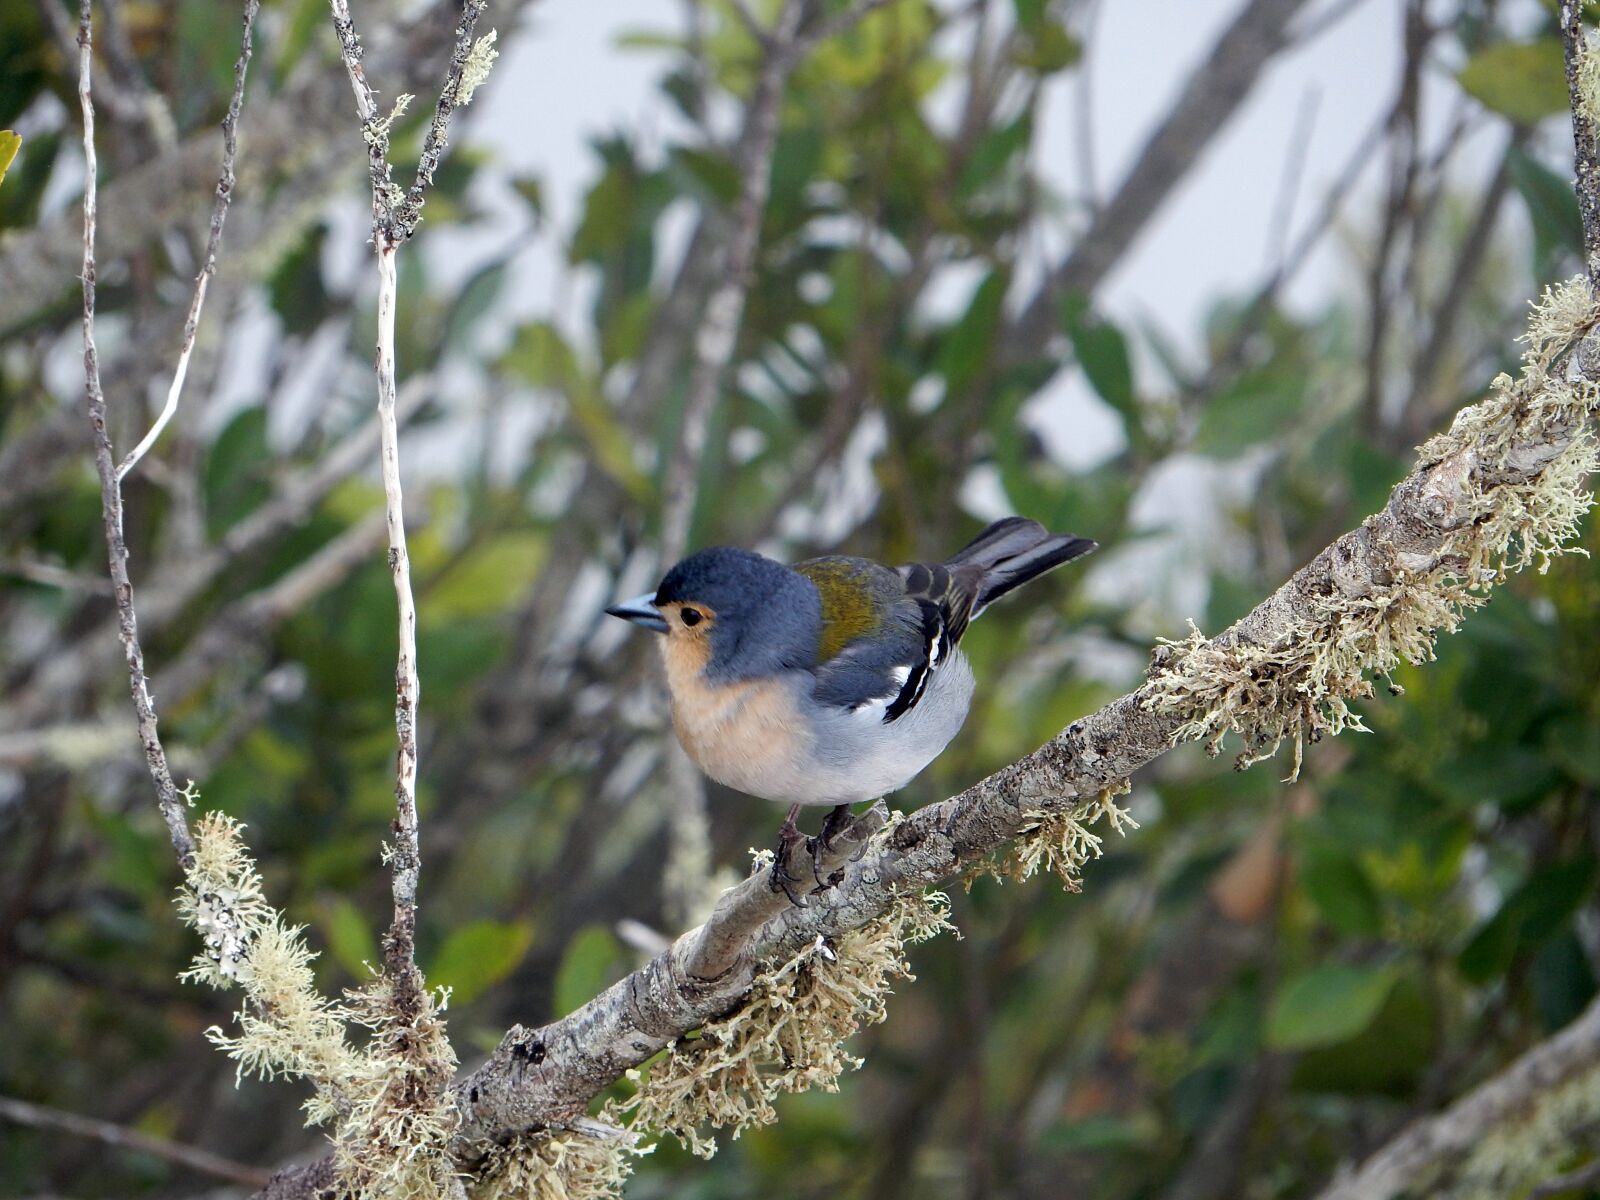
40,1116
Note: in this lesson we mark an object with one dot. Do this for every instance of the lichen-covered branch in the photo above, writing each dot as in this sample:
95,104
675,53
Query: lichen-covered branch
1500,1138
396,214
1501,490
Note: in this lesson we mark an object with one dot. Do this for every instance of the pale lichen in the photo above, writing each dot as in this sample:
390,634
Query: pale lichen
388,1099
560,1164
1589,80
1060,841
476,69
1507,481
1537,1143
788,1035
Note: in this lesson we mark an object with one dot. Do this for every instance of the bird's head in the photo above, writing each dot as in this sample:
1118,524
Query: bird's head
734,614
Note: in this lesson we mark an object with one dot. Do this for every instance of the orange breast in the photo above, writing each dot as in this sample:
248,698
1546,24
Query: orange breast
741,734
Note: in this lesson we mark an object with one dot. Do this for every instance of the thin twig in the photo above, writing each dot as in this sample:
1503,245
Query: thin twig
39,1116
1294,169
167,794
394,220
208,268
1083,108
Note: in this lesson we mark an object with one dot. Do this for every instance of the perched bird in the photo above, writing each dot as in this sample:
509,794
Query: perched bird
833,680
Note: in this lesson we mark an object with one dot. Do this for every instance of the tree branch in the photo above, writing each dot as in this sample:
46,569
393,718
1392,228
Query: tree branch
718,330
1211,96
168,797
39,1116
540,1076
1412,1161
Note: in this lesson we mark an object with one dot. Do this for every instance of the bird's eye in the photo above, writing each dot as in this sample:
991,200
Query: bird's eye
691,616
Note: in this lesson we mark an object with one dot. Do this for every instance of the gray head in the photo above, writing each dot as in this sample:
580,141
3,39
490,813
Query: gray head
746,615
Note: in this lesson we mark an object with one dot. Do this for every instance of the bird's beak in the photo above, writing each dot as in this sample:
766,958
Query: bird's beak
641,610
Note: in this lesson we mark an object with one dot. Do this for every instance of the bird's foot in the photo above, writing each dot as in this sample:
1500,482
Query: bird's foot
780,879
821,846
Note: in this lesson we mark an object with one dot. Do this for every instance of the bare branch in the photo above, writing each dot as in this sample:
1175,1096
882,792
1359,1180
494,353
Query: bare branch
1212,95
219,215
718,332
39,1116
167,795
405,863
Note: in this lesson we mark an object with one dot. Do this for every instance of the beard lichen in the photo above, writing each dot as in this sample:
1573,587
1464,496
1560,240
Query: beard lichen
787,1036
388,1100
1060,841
1509,486
558,1164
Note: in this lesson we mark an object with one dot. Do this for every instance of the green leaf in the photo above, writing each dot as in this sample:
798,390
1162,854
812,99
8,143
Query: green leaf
295,285
1387,1058
531,189
968,344
479,955
1531,915
1254,410
708,173
1030,14
10,143
1341,890
1049,49
235,476
350,938
1328,1004
994,150
487,578
476,297
1102,352
1520,80
586,968
1573,742
1563,982
1552,206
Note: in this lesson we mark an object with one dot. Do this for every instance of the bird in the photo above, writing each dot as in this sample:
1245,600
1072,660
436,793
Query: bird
833,680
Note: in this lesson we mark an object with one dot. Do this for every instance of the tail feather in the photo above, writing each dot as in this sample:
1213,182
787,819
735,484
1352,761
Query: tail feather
1013,551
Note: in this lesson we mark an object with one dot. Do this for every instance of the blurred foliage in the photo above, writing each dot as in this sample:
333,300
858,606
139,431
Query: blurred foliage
1330,958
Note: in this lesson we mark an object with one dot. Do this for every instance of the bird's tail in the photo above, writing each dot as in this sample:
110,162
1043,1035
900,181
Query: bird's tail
1012,551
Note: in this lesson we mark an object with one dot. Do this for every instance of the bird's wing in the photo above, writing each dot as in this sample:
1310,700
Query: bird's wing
885,632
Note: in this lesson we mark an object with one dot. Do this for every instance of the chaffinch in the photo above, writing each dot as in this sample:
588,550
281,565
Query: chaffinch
834,680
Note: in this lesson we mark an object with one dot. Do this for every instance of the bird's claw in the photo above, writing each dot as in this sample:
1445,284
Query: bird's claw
780,879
